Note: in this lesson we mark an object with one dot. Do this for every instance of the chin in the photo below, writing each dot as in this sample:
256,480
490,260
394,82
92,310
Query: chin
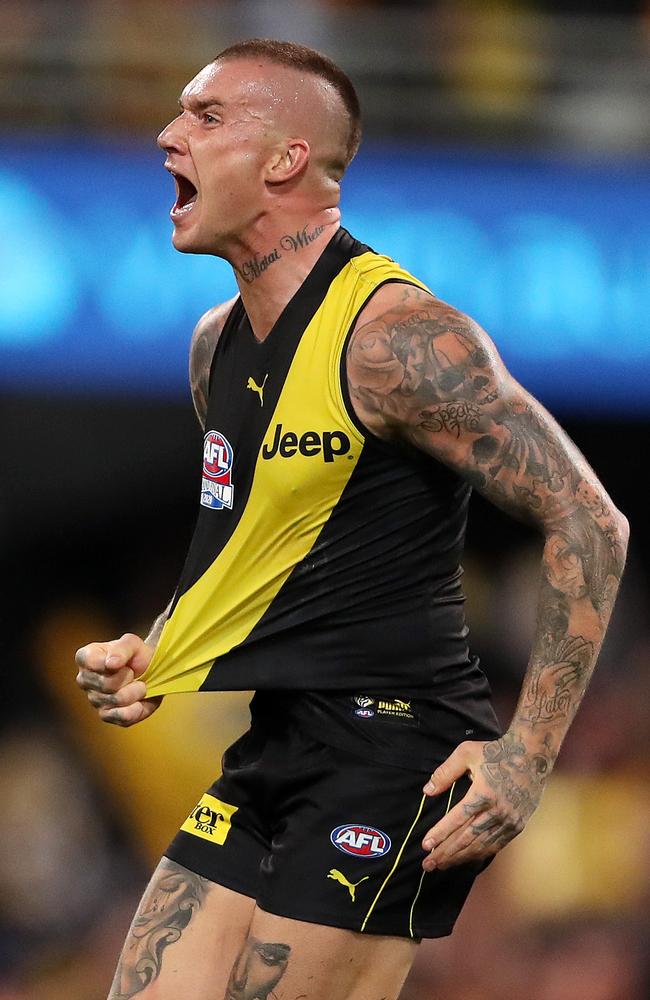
186,241
182,243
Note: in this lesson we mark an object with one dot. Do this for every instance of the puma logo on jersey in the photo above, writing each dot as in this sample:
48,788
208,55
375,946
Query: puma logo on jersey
330,444
339,877
259,389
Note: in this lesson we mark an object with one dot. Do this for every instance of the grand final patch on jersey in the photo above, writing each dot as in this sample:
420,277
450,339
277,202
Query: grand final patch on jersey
217,489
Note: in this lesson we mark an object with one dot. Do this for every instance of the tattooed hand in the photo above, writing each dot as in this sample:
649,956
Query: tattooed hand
109,671
423,373
507,784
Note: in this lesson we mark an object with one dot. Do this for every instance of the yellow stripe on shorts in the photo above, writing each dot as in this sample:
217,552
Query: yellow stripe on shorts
397,860
417,895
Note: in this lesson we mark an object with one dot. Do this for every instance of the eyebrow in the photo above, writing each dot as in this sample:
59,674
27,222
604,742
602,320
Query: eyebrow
200,104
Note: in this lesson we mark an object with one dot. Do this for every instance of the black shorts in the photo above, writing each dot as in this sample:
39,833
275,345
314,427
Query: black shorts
324,834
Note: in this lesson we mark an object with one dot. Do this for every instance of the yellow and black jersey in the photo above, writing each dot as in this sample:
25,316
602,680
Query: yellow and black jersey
323,558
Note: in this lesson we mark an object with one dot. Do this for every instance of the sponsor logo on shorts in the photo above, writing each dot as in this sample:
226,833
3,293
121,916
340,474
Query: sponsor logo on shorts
364,711
217,489
384,708
210,819
286,444
360,841
339,877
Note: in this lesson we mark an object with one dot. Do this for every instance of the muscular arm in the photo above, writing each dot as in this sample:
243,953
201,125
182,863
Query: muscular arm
423,372
110,672
204,340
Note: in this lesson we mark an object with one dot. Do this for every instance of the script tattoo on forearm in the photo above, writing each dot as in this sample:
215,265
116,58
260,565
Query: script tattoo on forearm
428,374
258,969
252,268
168,906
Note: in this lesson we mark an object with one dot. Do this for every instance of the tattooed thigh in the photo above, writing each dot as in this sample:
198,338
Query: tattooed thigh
259,967
187,929
286,959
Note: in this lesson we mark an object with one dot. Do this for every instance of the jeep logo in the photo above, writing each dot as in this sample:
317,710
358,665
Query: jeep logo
331,443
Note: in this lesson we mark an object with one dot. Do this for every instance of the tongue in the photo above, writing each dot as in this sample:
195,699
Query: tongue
187,194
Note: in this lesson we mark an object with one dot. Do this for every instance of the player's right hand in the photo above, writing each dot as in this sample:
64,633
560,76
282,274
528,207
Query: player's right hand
109,672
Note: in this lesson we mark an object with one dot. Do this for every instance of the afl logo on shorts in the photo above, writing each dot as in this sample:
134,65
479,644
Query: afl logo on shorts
360,841
364,711
216,484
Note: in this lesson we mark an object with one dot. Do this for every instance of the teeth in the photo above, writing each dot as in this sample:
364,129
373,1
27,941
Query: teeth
187,207
186,194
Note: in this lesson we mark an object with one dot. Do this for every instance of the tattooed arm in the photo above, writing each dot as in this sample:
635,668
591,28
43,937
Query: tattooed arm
420,371
109,672
204,340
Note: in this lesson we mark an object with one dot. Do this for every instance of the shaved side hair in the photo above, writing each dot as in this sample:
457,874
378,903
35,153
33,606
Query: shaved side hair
301,57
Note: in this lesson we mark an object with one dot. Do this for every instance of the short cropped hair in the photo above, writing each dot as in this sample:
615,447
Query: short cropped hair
308,60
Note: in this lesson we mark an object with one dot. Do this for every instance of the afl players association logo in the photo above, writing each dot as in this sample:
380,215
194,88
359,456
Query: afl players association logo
216,485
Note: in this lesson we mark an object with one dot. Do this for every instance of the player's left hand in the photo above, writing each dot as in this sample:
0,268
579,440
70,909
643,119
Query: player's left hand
507,784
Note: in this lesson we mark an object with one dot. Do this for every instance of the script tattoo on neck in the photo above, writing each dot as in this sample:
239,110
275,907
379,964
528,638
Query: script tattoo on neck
425,373
251,269
301,238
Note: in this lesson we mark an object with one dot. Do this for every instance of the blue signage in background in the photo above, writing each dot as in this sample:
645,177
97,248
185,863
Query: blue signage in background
552,258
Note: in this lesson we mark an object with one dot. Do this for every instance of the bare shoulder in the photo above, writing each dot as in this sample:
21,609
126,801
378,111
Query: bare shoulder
204,340
410,351
422,371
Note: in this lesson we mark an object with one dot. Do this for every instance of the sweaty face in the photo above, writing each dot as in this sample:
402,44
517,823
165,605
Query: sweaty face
216,150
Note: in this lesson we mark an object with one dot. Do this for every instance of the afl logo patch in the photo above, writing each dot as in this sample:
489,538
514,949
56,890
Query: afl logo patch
216,485
360,841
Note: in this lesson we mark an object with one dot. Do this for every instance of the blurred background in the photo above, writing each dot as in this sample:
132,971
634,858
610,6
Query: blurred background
506,162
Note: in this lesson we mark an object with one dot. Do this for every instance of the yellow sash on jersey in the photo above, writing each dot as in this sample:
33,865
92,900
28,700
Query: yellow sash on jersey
288,505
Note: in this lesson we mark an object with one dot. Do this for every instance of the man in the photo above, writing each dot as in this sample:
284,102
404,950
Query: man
347,413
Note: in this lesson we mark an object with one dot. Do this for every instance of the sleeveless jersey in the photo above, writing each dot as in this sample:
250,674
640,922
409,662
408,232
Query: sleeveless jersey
323,558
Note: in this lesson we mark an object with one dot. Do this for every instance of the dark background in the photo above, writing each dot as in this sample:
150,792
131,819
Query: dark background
99,490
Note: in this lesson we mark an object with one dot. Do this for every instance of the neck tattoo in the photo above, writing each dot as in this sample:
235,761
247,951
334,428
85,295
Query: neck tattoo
251,269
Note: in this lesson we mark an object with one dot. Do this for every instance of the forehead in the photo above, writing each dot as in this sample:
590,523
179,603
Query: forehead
237,80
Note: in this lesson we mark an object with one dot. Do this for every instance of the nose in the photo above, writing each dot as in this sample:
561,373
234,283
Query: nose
173,137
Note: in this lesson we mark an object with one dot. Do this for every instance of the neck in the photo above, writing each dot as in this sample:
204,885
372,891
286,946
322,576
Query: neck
271,265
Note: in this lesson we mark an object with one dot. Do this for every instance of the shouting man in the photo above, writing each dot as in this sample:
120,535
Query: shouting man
347,413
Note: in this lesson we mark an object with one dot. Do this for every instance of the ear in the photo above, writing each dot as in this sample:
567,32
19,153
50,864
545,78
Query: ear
288,161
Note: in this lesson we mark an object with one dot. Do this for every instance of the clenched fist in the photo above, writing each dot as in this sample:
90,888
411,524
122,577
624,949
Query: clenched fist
109,672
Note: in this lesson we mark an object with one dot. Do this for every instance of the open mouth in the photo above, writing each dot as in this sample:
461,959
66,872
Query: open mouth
186,195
